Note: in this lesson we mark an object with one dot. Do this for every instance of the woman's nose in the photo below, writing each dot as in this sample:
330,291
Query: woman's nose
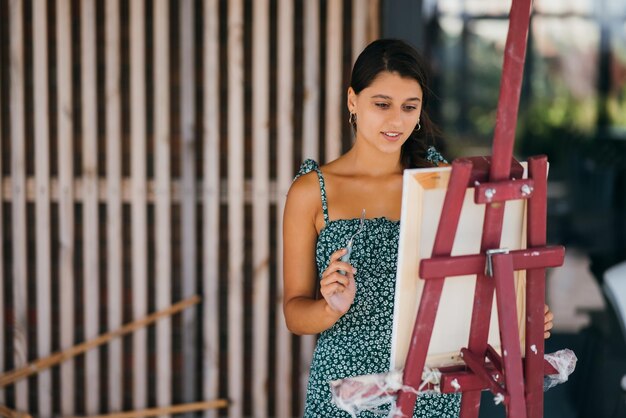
395,118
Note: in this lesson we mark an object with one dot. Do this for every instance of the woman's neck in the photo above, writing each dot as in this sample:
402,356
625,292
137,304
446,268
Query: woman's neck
366,159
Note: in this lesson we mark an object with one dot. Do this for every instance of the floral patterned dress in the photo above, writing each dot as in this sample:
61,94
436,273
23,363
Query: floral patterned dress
359,343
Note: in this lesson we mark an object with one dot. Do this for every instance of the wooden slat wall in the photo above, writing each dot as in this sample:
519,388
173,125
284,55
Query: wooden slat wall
143,158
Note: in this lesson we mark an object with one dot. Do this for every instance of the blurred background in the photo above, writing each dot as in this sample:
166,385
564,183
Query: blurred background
146,147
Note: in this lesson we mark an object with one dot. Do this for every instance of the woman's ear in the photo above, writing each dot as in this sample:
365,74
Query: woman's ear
351,102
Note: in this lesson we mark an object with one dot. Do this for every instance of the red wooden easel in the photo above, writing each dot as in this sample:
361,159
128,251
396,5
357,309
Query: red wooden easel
516,381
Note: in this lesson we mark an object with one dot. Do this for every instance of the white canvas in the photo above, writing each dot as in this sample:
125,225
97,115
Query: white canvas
422,200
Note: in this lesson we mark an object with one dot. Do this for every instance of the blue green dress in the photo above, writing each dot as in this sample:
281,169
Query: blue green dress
359,343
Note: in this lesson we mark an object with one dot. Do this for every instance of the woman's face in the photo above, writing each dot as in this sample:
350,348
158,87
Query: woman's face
387,111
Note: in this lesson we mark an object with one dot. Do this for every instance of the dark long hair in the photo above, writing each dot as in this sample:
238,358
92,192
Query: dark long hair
396,56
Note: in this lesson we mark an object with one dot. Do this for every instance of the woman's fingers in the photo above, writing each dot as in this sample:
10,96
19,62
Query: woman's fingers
337,255
547,321
336,287
547,316
335,277
338,265
332,288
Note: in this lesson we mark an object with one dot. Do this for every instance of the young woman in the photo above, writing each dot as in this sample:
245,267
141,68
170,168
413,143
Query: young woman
387,101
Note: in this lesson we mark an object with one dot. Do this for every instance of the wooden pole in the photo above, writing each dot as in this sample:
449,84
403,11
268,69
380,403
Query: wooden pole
310,138
211,202
261,206
42,202
334,71
59,357
139,210
66,198
188,193
168,410
284,174
360,9
10,413
3,318
163,200
311,113
235,206
373,21
113,187
91,279
18,206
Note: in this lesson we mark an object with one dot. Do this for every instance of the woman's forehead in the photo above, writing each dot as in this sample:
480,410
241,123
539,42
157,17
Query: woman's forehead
394,86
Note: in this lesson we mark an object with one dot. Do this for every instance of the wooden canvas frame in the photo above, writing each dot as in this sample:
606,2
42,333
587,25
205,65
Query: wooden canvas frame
422,200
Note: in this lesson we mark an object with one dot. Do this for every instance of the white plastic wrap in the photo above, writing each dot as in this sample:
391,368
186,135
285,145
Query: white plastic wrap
564,361
369,393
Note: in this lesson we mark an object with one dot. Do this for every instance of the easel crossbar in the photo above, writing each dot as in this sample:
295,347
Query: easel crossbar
464,265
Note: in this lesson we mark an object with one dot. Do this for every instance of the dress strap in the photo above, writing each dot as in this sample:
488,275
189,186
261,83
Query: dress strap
435,156
308,166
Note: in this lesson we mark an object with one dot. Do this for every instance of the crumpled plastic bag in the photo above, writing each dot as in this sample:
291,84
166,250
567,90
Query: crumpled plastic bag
564,361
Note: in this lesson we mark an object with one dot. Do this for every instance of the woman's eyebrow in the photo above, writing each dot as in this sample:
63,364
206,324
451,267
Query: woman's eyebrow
382,96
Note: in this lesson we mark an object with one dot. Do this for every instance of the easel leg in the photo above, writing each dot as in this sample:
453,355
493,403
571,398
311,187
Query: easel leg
427,311
535,289
470,404
509,335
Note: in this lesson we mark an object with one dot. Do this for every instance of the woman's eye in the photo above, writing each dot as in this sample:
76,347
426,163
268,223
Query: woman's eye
410,108
382,105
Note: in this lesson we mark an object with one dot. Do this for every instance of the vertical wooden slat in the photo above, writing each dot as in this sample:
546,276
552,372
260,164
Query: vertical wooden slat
90,199
3,318
334,90
138,205
310,128
66,198
235,207
42,201
163,199
260,224
211,201
18,186
284,176
310,136
373,20
114,200
188,194
360,9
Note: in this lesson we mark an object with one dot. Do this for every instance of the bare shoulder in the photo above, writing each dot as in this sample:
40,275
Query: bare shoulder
303,198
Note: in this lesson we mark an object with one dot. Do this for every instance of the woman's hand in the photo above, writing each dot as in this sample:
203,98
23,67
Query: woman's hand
338,290
547,322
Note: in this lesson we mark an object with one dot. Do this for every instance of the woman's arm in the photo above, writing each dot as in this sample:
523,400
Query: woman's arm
303,313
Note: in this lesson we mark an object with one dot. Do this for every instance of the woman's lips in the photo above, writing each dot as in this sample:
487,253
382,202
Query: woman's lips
391,135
